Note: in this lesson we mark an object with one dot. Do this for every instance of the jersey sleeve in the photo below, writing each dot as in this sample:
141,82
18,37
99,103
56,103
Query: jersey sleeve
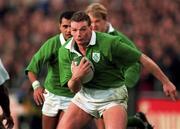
132,74
123,54
126,40
45,54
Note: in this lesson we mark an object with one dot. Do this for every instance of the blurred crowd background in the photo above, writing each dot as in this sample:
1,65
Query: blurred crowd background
153,25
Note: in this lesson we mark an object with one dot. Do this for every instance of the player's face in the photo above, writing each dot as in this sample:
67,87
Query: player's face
98,24
81,32
65,28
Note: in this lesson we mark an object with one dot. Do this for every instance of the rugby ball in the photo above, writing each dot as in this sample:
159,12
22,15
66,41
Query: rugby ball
88,77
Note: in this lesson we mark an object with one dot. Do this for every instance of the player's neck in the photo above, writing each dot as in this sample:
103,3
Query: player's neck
82,49
106,28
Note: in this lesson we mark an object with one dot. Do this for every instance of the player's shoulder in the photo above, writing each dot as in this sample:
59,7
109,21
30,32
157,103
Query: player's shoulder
54,38
105,36
52,42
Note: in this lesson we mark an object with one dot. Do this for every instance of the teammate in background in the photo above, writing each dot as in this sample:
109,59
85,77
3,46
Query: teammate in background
4,100
99,22
54,98
106,94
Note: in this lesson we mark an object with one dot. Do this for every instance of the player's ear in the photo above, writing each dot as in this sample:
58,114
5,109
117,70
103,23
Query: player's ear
59,25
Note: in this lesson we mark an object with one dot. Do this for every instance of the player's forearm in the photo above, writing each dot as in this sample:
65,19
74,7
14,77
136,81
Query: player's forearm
152,67
32,77
74,84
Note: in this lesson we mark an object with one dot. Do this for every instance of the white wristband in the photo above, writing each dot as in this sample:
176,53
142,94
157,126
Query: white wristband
36,84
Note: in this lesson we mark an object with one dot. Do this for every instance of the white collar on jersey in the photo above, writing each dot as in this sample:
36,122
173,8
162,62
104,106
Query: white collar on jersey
70,45
62,39
110,28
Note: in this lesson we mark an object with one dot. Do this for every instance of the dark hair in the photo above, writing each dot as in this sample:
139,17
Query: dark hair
81,16
66,15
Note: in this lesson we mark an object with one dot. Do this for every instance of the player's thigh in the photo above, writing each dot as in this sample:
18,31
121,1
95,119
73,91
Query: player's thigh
99,123
74,118
90,125
115,117
49,122
61,113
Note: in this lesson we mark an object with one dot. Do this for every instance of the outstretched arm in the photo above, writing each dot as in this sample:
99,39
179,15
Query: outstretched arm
151,66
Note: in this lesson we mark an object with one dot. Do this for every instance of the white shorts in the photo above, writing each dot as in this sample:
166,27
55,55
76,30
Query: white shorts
53,103
95,102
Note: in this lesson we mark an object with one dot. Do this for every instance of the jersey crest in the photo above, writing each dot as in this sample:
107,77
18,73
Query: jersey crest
96,56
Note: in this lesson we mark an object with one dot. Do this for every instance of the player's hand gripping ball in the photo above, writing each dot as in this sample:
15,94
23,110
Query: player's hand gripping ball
88,77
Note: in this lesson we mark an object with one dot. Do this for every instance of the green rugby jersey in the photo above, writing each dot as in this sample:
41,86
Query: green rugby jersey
132,74
109,56
48,55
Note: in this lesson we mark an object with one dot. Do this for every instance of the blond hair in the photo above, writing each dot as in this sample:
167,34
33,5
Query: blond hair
97,10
